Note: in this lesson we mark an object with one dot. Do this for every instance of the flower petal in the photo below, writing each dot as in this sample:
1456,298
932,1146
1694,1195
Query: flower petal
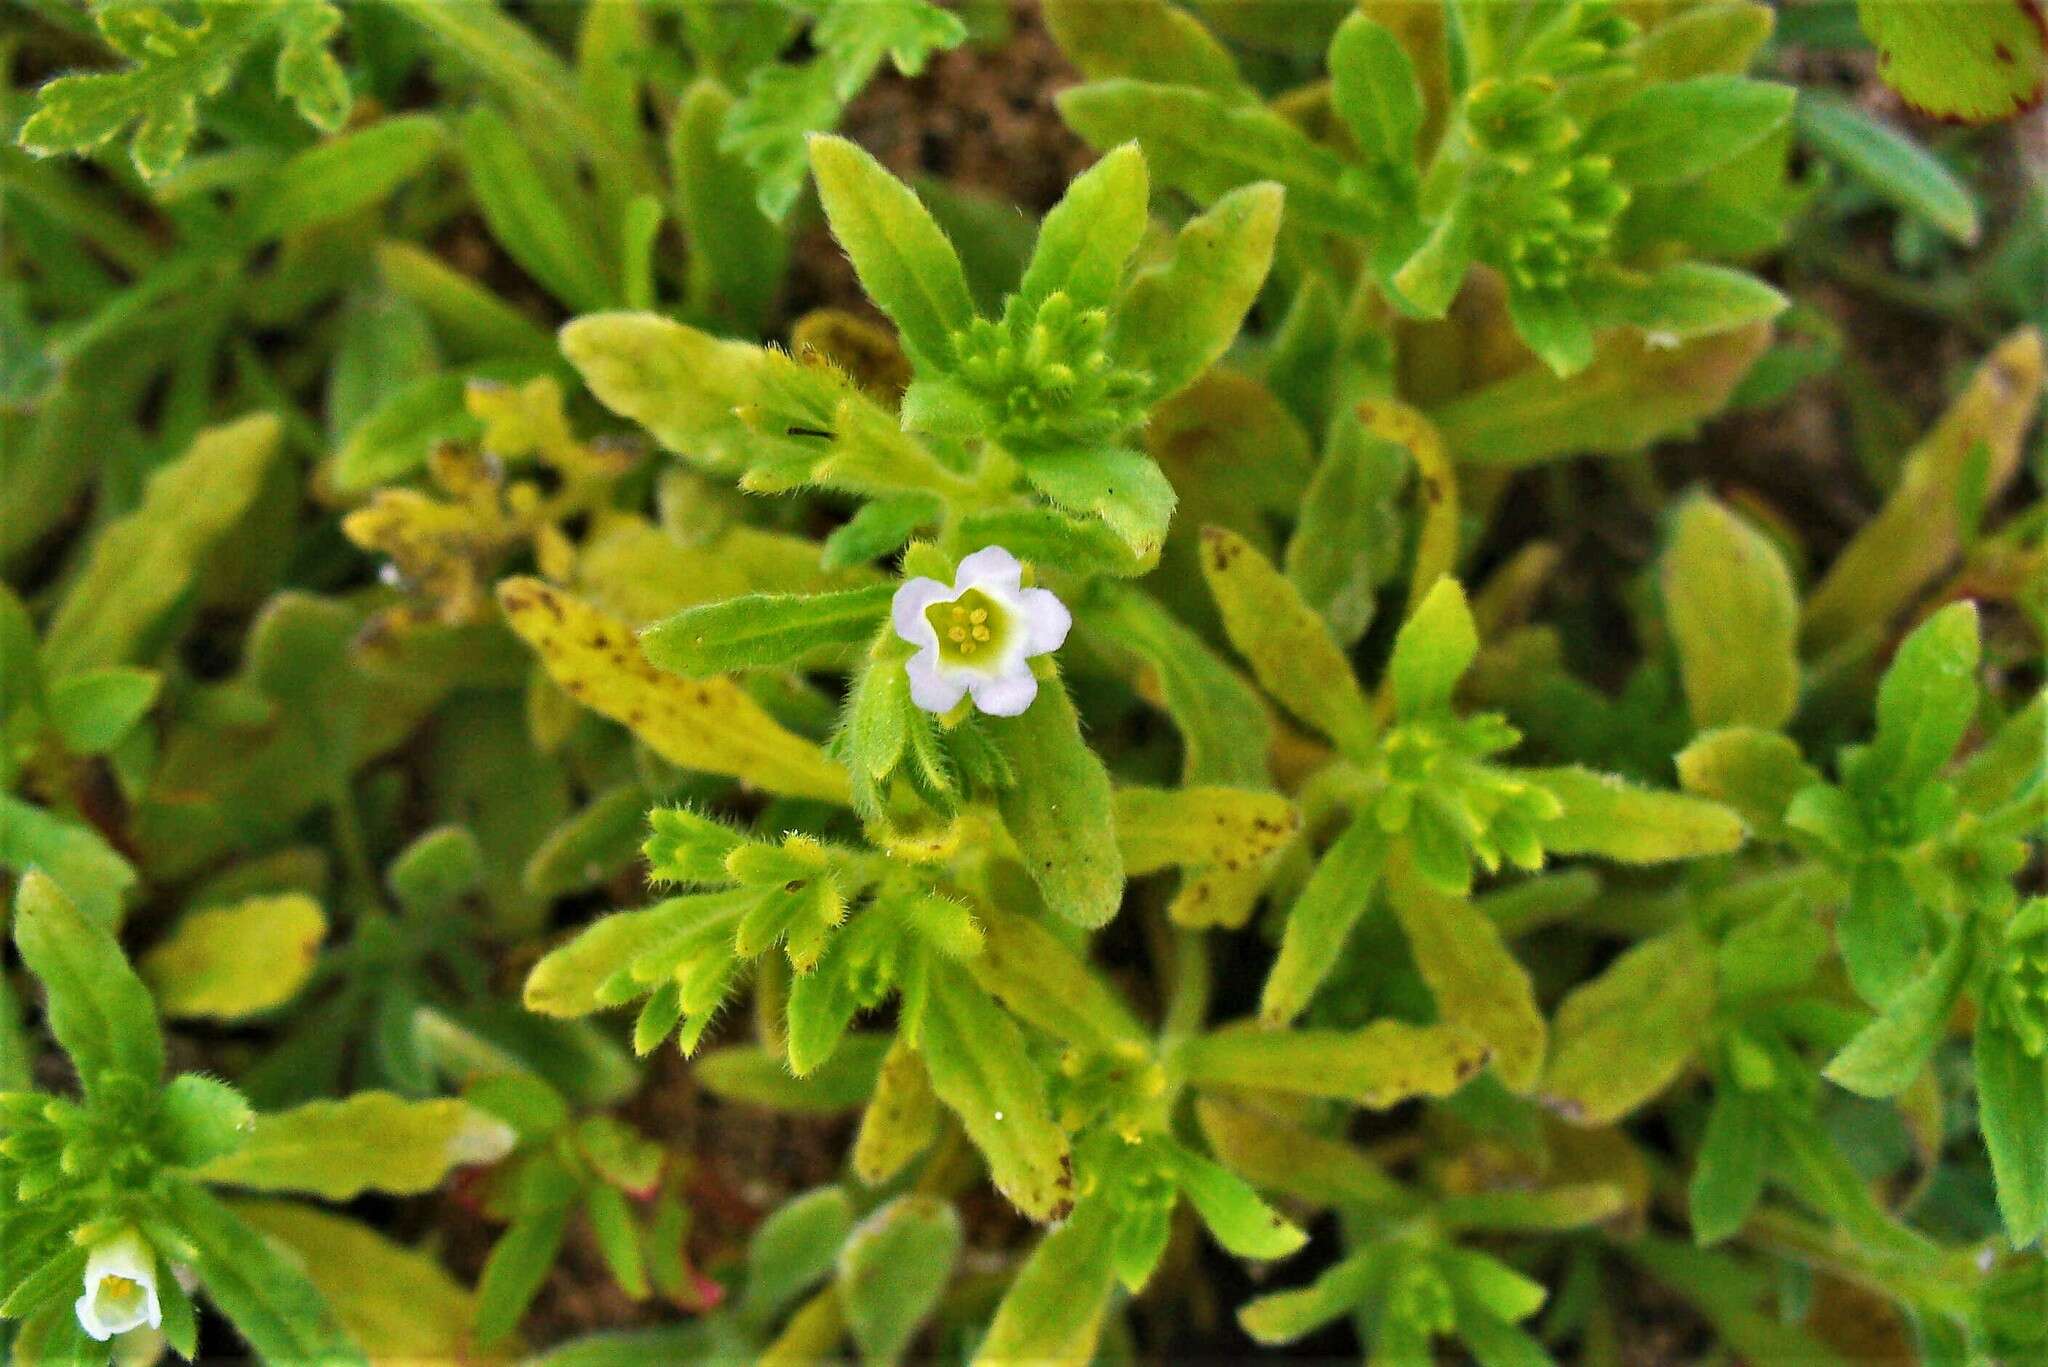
1006,694
1046,621
991,569
906,610
933,689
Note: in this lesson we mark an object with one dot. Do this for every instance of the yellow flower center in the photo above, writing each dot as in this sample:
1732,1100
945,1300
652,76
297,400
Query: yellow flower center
971,629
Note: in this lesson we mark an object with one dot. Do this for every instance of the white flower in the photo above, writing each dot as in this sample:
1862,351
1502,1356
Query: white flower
120,1287
977,635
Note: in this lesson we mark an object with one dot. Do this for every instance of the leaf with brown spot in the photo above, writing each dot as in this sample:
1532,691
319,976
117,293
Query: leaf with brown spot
710,725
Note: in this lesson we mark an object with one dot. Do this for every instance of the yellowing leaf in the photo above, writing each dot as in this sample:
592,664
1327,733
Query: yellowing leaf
143,563
711,725
397,1303
900,1121
1376,1067
1031,971
1632,394
1623,1037
234,961
978,1066
1225,838
1287,644
373,1141
1973,60
1477,983
1734,617
1919,531
1159,828
1605,816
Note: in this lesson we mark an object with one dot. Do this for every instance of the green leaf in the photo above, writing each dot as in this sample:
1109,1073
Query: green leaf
372,1141
1054,1308
794,1247
880,528
980,1069
1890,163
22,693
175,66
1285,1316
437,870
2012,1112
1348,525
763,630
307,73
1778,950
762,1077
1432,651
1330,904
1059,809
141,565
1680,301
1880,931
1887,1054
233,961
1728,1170
1556,327
1476,982
893,1269
1120,486
547,232
1429,278
1150,40
263,1292
1374,90
737,253
1288,646
95,709
94,1005
1734,618
1088,238
1222,721
1973,60
1210,146
1754,772
469,319
2007,763
1605,816
1241,1222
203,1118
335,179
1673,132
77,858
1178,318
1378,1066
1925,703
1624,1036
904,261
520,1261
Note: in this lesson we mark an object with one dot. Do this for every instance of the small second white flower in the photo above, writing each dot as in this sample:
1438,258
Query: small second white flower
120,1288
987,629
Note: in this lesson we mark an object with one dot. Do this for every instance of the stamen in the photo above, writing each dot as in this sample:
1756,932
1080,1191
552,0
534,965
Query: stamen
981,614
957,634
981,633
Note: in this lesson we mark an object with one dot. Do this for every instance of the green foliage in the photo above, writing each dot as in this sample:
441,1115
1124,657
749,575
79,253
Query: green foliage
178,64
1053,732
